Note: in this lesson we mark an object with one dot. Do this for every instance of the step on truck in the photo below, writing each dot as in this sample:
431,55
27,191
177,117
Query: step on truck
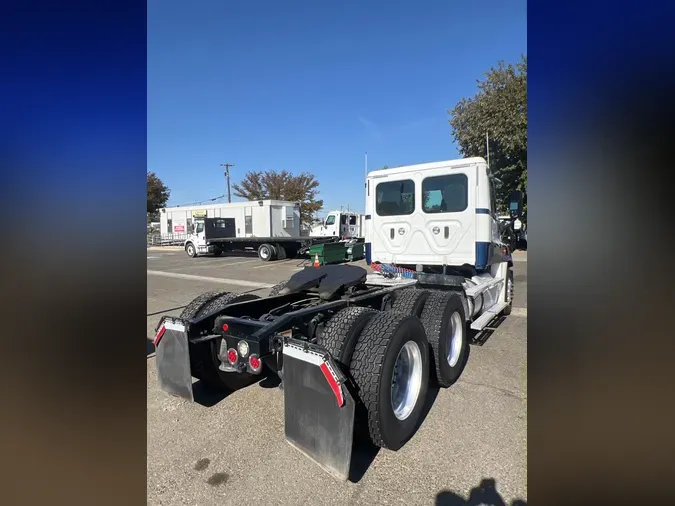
356,350
218,235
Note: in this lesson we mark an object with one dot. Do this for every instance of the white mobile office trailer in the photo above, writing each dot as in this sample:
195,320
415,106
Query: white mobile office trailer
263,218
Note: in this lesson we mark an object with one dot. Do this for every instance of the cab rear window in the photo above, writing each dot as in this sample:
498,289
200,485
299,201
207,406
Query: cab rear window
445,194
395,198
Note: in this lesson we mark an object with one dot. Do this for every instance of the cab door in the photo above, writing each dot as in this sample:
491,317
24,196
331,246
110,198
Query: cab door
332,224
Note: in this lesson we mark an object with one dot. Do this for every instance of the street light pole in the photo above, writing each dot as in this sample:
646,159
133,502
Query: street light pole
227,176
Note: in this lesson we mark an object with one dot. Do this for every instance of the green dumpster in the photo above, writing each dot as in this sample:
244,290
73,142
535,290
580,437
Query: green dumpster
329,253
355,252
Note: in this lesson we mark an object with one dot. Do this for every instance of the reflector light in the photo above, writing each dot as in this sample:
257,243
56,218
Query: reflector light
226,327
232,356
254,362
334,385
242,346
159,335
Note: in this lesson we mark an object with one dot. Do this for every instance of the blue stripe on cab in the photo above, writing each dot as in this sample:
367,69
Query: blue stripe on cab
482,210
368,254
482,254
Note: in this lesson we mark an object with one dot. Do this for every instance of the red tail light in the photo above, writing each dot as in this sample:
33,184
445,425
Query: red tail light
255,363
232,356
226,327
159,335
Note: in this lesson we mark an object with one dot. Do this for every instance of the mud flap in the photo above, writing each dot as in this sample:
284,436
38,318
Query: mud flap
173,358
319,409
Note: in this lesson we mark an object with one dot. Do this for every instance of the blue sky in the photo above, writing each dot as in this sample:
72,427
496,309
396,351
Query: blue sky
311,86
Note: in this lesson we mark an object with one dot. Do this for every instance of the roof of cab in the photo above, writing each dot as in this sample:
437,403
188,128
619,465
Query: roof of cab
460,162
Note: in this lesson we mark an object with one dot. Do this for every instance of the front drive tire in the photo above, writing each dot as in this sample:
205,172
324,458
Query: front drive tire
445,325
191,250
391,348
204,361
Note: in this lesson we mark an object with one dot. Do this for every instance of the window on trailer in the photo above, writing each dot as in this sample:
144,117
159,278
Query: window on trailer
289,222
395,198
445,194
248,224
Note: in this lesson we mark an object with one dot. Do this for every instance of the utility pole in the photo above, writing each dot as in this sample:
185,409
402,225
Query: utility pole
227,176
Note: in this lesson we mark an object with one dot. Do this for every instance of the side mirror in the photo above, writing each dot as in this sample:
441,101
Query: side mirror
516,204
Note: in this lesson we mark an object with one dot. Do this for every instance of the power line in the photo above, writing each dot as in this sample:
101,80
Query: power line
201,201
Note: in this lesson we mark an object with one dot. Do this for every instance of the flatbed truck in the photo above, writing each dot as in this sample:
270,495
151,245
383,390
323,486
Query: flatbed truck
217,235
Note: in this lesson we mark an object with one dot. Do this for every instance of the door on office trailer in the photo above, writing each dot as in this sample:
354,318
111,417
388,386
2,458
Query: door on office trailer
278,221
290,224
248,221
261,220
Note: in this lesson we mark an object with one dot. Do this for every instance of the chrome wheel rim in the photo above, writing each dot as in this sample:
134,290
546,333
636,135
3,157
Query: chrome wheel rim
454,337
264,253
406,380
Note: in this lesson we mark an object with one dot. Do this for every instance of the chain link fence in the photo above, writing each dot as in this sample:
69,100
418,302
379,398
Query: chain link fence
157,239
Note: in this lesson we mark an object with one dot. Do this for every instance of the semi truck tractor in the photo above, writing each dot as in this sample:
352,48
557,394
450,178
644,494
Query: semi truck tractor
356,348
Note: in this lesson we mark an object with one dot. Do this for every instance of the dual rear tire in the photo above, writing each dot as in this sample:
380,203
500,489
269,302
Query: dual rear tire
389,357
204,361
443,317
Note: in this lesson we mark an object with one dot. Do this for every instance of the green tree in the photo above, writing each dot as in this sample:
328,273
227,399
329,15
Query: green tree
498,109
158,193
282,185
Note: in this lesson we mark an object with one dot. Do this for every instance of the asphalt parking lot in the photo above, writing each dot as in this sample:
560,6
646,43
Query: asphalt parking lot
232,450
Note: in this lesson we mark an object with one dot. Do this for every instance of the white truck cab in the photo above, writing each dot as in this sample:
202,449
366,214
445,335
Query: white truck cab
195,243
433,214
440,218
342,224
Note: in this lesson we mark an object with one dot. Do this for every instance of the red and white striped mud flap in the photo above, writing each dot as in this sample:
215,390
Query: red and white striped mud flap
173,358
319,409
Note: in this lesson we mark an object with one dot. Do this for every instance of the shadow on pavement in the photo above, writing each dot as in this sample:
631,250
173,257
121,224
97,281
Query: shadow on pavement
480,337
363,454
149,348
484,494
270,381
364,451
206,396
